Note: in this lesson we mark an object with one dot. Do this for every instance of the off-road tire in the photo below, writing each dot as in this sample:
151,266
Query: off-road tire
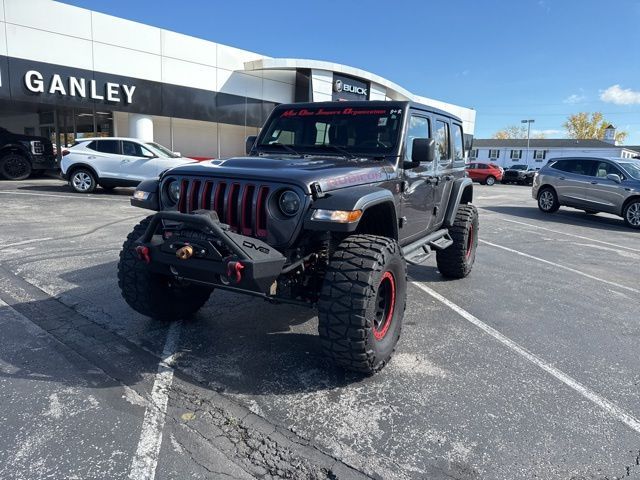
151,294
456,261
82,180
362,303
630,214
14,167
490,180
548,200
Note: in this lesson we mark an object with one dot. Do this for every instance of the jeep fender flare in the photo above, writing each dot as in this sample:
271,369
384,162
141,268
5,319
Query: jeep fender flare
461,192
357,198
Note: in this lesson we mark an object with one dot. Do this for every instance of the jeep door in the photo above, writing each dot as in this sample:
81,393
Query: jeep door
418,187
449,165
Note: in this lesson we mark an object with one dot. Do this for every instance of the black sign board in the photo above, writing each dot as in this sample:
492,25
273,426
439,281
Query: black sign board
347,88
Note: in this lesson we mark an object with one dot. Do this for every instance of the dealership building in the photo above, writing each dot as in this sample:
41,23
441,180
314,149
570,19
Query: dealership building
67,72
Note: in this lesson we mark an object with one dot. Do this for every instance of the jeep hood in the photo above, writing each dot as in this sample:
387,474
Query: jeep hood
330,172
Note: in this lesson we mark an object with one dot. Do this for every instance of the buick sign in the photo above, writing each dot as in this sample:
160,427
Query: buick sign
347,88
71,86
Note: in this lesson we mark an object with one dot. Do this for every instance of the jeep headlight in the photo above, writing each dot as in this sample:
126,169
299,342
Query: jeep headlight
173,191
289,202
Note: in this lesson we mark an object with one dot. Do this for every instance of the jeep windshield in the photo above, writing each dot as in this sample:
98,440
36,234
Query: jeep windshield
349,131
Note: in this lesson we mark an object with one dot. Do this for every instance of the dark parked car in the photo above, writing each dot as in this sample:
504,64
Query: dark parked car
326,209
21,155
591,184
520,174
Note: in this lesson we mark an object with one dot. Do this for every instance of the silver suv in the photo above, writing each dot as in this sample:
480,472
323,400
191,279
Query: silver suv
594,185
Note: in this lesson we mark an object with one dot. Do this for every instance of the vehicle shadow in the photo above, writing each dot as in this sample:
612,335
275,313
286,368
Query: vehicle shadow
63,188
234,344
564,216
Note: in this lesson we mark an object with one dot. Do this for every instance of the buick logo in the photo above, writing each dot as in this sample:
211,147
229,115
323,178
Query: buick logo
337,85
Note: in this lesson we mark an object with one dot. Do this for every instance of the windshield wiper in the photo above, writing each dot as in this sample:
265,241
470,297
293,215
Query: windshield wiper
344,151
286,147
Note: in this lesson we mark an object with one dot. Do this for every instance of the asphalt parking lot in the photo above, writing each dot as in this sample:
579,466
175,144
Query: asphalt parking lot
528,368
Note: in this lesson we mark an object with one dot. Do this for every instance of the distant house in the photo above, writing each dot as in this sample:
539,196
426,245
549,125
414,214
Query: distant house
540,151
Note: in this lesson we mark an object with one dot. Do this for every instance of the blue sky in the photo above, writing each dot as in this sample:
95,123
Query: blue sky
508,59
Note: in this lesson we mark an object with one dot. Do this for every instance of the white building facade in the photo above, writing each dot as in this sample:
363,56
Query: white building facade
537,152
68,72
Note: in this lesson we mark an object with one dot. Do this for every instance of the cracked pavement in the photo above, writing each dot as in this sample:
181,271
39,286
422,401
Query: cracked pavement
252,396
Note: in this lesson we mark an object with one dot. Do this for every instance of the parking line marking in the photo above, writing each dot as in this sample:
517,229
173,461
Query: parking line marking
87,196
145,461
572,235
25,242
569,269
609,407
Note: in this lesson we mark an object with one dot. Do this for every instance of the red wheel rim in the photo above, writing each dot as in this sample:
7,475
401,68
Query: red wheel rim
470,241
385,304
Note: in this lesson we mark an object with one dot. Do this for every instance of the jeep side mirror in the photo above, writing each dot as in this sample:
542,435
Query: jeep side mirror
614,177
248,144
424,150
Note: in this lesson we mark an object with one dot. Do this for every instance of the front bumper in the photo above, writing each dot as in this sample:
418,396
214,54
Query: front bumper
219,256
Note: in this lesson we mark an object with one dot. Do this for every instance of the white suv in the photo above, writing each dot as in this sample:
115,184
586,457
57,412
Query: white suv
115,162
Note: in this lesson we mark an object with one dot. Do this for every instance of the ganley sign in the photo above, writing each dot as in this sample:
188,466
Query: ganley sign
35,82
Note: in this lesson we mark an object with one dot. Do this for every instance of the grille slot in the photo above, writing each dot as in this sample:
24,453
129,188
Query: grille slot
241,205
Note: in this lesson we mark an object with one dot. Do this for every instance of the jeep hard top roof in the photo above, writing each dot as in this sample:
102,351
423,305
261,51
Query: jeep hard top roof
370,104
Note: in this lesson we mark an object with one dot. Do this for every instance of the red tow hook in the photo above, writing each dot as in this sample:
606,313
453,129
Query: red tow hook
143,253
234,271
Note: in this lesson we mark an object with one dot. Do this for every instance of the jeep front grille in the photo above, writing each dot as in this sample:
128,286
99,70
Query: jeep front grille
241,205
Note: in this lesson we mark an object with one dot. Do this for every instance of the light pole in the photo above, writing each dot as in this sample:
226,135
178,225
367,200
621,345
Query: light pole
528,122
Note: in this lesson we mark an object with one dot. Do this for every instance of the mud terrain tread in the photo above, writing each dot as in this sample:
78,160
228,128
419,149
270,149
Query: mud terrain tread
344,298
452,261
150,294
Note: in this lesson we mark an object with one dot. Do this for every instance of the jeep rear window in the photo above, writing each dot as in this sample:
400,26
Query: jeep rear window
358,130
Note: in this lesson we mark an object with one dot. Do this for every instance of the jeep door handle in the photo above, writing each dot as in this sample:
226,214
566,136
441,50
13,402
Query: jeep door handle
561,178
594,182
91,157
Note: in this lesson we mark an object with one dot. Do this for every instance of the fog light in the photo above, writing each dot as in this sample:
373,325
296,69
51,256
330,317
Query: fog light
338,216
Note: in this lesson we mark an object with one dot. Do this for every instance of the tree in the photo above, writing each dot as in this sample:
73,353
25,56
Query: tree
584,125
515,131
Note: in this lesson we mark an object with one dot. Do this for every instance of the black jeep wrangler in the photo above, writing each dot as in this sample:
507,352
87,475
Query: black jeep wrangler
22,155
327,208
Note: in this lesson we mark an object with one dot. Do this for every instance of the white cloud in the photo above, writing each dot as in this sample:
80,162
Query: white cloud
620,96
575,98
543,4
